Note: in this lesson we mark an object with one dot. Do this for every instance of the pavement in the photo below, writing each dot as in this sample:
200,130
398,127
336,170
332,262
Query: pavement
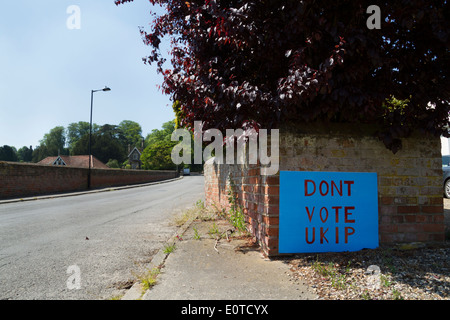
202,268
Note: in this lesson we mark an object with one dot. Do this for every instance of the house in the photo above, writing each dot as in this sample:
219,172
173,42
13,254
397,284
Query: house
134,159
74,161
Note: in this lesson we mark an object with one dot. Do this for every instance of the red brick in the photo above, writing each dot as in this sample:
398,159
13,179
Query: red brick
432,209
434,227
386,200
420,218
271,220
409,227
410,218
408,209
272,232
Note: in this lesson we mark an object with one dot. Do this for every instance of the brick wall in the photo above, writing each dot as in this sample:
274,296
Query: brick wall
410,187
18,180
105,178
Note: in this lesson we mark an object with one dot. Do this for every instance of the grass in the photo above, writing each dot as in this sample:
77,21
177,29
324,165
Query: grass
329,271
169,248
385,281
236,214
396,295
199,210
339,276
213,231
148,279
196,234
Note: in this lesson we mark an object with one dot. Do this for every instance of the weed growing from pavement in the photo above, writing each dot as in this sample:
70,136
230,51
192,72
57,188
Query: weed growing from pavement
213,231
200,205
196,234
198,211
148,279
169,248
236,214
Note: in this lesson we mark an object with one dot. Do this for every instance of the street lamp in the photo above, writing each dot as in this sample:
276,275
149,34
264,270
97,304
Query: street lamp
90,132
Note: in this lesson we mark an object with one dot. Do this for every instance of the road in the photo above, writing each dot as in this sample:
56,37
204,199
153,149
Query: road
88,246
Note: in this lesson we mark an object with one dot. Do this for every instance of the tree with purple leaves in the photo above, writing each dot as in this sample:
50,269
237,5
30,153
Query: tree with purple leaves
260,64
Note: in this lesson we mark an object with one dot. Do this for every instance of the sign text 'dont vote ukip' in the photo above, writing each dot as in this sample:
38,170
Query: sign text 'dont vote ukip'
328,211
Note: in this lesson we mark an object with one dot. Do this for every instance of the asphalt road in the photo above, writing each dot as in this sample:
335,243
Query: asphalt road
87,246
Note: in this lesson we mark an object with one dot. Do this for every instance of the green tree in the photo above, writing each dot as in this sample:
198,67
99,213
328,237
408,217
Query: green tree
157,154
132,133
75,131
55,141
53,144
105,146
158,135
39,153
8,153
25,154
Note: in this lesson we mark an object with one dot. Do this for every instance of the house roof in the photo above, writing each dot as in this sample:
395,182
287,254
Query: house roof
75,161
134,150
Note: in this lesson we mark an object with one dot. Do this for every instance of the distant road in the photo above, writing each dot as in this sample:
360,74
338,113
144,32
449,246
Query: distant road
108,236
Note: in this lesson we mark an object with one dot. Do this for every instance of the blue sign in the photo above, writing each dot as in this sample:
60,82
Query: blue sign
328,211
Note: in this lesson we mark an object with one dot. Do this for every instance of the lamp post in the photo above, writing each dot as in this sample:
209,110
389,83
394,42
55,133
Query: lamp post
90,133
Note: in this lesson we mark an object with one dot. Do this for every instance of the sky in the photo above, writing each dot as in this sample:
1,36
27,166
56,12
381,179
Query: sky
47,70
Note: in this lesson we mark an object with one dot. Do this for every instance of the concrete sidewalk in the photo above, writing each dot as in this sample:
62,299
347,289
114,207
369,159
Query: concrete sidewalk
204,269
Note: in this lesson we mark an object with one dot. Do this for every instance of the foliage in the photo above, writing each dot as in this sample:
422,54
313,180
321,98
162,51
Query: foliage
196,234
149,279
263,63
113,163
39,153
8,153
236,214
109,142
52,144
128,133
169,248
213,231
25,154
338,280
157,154
132,133
75,131
105,145
161,135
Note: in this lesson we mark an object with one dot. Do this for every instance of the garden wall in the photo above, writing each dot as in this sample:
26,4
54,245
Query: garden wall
18,180
410,187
